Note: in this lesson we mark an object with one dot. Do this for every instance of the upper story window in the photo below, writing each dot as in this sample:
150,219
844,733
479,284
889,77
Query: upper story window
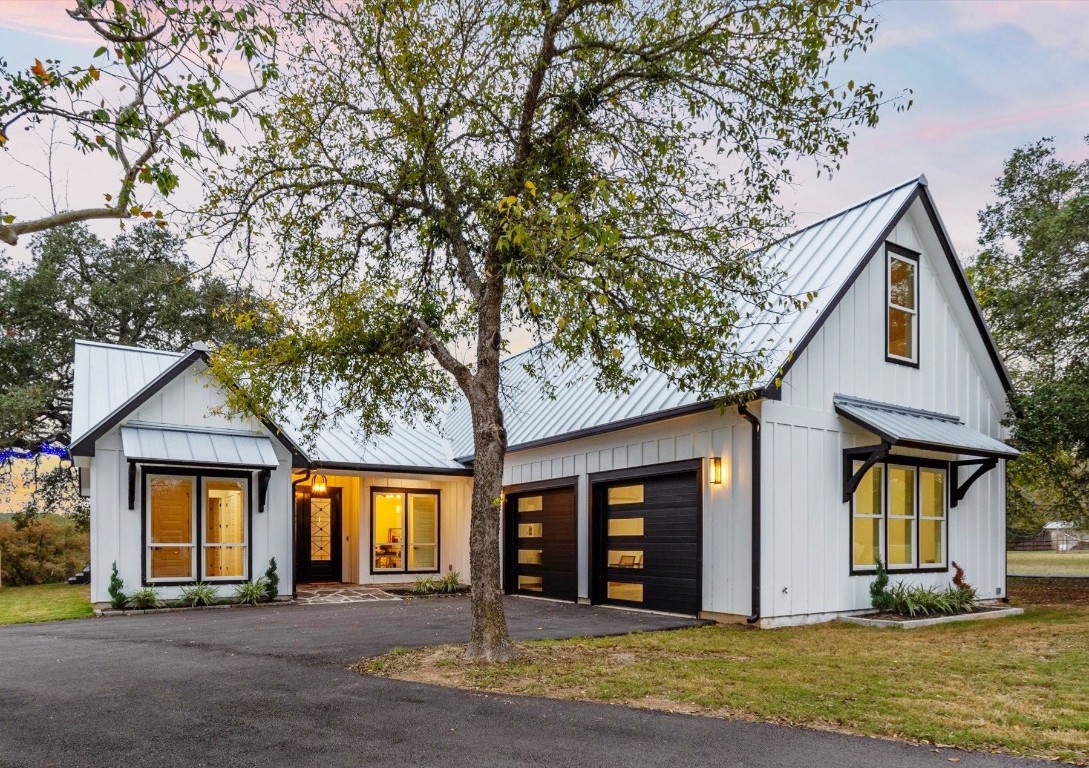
902,300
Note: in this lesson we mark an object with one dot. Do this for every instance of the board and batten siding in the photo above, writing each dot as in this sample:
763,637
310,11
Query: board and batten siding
806,525
726,506
116,532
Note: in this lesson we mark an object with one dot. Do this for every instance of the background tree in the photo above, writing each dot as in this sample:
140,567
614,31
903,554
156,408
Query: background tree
599,172
155,98
1032,279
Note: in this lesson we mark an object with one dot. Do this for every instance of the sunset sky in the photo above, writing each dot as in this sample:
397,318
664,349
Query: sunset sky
986,77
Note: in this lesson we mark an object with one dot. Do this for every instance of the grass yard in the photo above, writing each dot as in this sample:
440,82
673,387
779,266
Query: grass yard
1013,685
45,602
1048,563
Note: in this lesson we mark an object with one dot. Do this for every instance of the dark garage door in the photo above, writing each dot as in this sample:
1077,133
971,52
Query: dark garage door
647,543
541,549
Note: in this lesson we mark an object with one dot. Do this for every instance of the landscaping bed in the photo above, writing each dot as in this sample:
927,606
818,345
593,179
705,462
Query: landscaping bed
1014,685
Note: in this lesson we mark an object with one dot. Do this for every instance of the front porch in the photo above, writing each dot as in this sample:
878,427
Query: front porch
368,530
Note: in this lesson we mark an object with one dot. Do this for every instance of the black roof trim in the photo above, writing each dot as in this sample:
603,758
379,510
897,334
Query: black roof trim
392,469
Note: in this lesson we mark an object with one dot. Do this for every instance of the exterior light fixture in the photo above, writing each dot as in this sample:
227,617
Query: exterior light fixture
320,485
714,470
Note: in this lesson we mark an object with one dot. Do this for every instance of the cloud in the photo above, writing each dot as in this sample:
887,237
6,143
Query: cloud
45,18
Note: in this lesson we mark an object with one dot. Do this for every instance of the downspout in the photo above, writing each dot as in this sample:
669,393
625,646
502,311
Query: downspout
294,570
745,413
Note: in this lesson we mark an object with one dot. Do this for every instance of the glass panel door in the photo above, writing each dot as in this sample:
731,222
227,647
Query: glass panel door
423,532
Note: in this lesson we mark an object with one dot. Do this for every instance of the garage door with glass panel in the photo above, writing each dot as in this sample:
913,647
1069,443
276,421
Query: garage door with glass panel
541,551
648,543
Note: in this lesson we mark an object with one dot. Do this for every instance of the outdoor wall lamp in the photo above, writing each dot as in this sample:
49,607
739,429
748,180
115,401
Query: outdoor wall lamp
320,485
714,470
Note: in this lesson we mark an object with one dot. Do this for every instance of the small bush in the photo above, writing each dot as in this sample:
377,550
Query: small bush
880,597
272,580
196,595
117,586
251,592
424,585
930,601
143,599
450,583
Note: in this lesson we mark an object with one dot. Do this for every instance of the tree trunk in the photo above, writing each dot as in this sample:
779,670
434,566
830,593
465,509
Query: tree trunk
488,639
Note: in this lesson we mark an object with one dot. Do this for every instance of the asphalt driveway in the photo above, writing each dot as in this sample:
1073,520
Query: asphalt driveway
269,687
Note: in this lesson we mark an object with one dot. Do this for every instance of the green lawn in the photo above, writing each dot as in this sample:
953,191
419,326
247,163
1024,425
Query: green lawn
1013,685
46,602
1048,563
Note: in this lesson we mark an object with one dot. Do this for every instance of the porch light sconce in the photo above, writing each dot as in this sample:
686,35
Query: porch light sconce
320,485
714,470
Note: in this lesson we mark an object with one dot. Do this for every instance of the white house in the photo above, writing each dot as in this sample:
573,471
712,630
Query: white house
877,433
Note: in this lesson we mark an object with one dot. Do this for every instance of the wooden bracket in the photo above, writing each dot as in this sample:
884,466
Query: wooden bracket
868,455
983,466
263,478
132,484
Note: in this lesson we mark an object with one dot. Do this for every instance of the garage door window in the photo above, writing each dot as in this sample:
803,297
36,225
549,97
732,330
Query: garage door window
625,558
626,526
626,494
623,590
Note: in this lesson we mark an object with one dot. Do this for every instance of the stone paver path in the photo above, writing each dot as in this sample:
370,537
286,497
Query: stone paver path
329,594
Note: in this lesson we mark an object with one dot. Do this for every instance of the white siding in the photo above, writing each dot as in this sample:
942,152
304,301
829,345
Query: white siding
806,524
726,507
116,531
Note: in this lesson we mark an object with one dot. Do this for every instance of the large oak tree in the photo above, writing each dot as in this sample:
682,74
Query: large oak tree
1032,278
600,172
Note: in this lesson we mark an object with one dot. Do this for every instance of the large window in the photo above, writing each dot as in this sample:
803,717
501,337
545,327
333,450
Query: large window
193,537
903,306
405,531
898,513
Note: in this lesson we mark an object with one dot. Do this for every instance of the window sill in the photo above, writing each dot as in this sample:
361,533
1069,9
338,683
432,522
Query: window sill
899,571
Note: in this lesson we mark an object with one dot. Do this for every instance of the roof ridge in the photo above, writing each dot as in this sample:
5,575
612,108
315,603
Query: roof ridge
110,345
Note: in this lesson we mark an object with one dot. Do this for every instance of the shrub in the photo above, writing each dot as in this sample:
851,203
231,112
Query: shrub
272,580
41,550
143,599
198,594
450,582
117,586
930,601
425,585
251,592
880,597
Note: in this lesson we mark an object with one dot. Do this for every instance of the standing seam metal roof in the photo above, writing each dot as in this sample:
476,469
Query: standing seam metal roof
900,425
821,257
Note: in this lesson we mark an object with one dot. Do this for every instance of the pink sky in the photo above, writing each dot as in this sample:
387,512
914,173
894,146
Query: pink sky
986,76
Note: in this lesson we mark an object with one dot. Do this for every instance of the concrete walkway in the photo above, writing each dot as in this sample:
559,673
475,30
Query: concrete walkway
269,687
338,594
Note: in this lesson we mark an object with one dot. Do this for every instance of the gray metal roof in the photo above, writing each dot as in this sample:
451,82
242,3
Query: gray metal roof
822,257
914,428
109,375
178,445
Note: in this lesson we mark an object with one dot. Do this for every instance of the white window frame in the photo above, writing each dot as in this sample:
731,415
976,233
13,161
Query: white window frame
194,533
891,305
912,517
245,543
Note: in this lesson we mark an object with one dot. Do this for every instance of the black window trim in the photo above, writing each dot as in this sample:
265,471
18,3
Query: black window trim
199,473
404,557
917,462
892,249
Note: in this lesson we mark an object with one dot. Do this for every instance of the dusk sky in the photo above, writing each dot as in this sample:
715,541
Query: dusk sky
986,76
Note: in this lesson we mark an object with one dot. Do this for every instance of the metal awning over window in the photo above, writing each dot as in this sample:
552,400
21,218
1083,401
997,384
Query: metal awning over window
180,446
913,428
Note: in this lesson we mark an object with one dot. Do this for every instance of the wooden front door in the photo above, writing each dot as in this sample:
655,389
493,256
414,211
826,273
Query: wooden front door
317,536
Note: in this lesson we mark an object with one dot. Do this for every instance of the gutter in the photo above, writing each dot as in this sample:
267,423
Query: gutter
294,572
749,416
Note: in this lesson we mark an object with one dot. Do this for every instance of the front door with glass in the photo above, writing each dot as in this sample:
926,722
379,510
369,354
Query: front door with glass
317,535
